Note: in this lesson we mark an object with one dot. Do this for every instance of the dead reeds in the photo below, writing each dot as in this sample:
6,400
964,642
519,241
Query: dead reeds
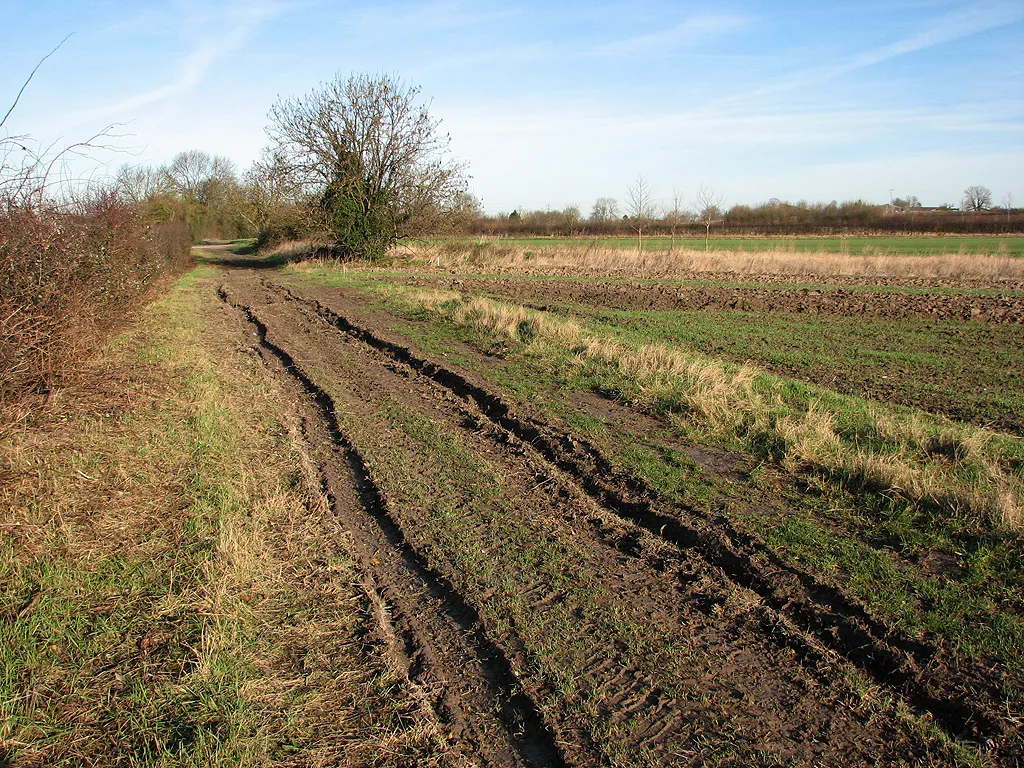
591,258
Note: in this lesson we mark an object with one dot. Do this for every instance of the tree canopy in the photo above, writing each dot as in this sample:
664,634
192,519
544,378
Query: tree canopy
370,156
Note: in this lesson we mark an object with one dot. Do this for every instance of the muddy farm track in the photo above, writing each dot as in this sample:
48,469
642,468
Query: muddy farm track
551,611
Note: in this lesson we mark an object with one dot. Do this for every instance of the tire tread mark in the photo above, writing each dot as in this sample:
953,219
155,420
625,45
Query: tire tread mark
892,660
519,714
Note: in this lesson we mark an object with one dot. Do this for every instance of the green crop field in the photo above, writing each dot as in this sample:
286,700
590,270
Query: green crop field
972,371
1010,245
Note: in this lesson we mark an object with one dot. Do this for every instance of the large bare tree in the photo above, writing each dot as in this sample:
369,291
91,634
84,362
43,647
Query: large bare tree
605,209
977,198
366,149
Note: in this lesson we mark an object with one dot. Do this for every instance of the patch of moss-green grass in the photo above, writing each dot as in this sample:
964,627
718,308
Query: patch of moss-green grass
358,277
968,371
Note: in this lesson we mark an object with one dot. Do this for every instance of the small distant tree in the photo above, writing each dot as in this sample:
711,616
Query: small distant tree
195,174
709,210
605,209
641,209
1008,204
572,218
268,191
675,215
368,151
976,199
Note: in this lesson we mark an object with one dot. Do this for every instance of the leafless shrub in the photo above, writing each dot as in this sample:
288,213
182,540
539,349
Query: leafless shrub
68,274
73,264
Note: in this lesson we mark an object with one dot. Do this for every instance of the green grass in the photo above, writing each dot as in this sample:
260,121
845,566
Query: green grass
878,545
160,571
968,371
1009,245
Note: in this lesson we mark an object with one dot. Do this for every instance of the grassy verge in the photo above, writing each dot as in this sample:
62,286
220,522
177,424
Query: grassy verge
170,595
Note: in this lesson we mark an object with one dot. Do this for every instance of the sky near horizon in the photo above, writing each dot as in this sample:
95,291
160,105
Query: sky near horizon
559,103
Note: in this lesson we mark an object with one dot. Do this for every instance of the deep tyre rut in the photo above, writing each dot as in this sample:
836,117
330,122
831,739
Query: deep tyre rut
964,701
477,693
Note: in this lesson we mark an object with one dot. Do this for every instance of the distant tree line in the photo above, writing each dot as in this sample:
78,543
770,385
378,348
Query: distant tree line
976,215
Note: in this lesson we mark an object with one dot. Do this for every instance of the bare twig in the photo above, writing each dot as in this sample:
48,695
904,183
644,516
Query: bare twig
29,80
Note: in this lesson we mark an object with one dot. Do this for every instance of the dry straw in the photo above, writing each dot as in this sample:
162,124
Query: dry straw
591,258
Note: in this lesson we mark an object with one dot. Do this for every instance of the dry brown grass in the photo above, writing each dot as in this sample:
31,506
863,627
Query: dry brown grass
594,260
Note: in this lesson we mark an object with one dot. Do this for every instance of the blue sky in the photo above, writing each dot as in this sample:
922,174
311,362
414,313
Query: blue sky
557,103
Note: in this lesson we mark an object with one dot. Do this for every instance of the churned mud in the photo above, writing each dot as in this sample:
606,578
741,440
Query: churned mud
551,610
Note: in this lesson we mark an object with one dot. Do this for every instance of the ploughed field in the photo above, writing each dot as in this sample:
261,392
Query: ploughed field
573,576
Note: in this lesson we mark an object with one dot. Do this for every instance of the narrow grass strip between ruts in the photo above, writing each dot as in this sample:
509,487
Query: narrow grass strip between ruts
953,468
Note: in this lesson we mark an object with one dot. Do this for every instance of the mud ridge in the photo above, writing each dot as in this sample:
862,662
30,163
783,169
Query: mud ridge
895,662
1005,309
522,720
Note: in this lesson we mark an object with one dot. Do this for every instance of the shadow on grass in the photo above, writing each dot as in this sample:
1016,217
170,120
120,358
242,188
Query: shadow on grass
238,254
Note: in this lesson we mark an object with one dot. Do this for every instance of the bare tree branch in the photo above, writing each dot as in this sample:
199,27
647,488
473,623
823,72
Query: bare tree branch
29,80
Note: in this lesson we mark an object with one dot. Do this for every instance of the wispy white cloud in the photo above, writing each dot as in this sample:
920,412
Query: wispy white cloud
433,16
732,127
519,54
225,31
696,29
970,20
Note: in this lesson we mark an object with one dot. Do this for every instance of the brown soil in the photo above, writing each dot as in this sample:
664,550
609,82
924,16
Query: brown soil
741,658
833,301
